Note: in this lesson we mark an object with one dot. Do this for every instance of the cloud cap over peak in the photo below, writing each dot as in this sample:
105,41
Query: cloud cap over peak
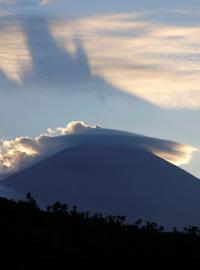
24,151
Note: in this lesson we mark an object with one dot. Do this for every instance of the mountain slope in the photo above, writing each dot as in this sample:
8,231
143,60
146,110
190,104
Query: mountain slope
114,180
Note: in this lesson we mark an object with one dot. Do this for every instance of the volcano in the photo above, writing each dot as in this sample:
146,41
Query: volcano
115,180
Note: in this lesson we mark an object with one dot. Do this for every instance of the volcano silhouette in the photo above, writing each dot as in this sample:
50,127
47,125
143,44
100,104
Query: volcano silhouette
114,180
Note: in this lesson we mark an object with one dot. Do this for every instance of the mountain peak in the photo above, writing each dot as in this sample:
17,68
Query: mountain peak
114,180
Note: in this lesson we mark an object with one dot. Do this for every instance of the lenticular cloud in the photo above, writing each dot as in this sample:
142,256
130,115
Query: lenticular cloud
22,152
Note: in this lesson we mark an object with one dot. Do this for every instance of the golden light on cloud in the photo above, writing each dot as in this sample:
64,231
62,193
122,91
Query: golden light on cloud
75,127
155,62
15,58
178,160
13,152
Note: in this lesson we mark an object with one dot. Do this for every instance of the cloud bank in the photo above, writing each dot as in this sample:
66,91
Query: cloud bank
140,53
24,151
154,60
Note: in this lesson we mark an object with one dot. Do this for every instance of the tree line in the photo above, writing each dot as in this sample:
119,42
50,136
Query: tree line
61,237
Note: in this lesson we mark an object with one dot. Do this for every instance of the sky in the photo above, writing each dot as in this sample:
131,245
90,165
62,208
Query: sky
125,65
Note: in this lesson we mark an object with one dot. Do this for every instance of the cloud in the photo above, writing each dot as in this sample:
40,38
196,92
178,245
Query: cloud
15,57
45,2
24,2
158,62
22,152
75,127
155,60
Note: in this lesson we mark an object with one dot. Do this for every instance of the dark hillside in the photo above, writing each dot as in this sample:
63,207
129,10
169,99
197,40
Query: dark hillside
62,238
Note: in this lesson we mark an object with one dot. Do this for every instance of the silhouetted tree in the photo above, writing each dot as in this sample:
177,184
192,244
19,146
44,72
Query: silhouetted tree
30,200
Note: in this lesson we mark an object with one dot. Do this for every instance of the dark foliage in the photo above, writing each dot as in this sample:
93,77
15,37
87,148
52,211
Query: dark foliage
63,238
